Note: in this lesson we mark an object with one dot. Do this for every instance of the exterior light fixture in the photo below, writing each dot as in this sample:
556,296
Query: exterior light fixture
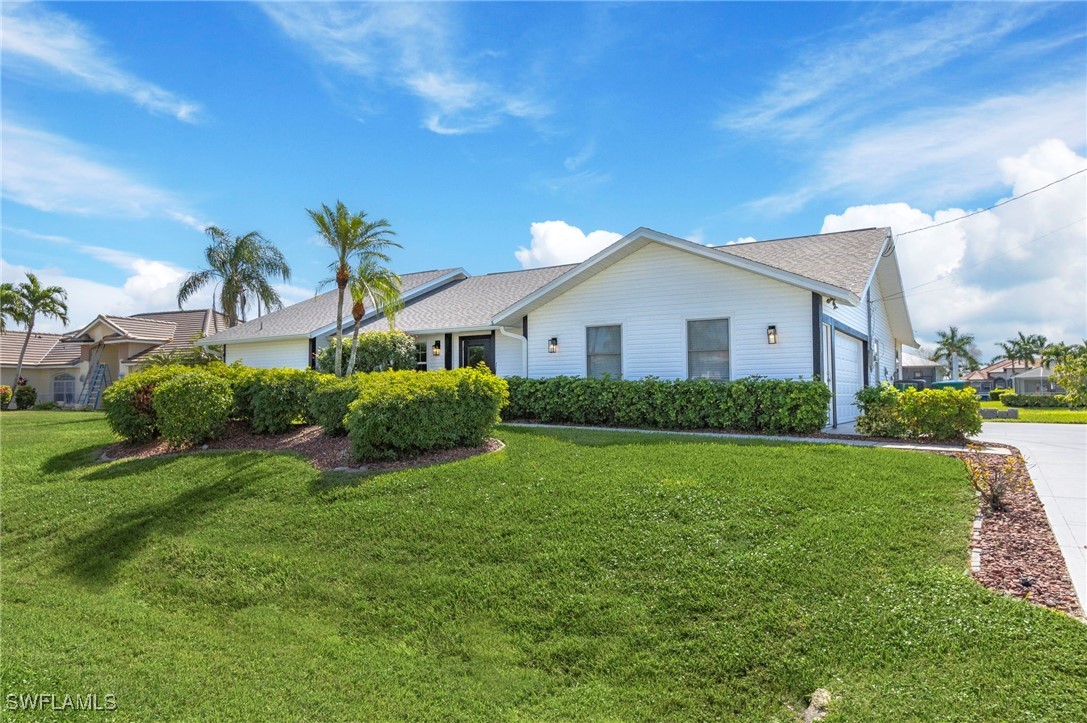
772,334
436,350
553,345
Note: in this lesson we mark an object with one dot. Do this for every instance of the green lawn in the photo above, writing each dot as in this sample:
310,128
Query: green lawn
1036,414
573,575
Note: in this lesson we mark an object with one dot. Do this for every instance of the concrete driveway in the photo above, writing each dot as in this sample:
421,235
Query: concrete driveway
1056,456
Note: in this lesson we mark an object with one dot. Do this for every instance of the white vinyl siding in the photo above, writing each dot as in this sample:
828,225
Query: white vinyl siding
653,293
604,352
272,354
883,367
707,349
508,356
855,317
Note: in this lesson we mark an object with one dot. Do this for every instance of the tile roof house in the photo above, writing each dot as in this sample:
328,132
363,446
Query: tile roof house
826,306
997,375
74,368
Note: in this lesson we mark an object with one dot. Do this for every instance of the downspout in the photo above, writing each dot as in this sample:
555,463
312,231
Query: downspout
871,355
524,348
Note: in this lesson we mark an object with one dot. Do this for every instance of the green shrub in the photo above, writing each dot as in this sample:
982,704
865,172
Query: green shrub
1071,375
400,414
192,406
330,399
941,414
377,351
5,396
25,396
271,400
996,394
1011,399
751,405
128,402
879,407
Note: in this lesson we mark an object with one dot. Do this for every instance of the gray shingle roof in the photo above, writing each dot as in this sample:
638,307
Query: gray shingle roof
844,259
469,303
307,316
43,349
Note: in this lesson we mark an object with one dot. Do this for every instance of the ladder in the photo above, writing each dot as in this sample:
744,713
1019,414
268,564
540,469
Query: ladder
98,378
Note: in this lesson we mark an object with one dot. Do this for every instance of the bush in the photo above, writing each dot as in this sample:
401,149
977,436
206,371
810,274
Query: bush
192,406
377,351
128,402
941,414
1011,399
996,394
1071,376
25,396
46,406
400,414
750,405
271,400
329,401
5,396
879,407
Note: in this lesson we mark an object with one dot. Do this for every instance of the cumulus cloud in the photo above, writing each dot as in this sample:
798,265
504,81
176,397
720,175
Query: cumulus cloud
557,242
1020,267
36,39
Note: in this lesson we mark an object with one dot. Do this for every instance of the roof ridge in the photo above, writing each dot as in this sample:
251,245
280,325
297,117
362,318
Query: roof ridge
36,333
139,318
791,238
144,314
521,271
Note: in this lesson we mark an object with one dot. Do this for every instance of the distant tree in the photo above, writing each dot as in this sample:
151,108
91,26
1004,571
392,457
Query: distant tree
953,347
1023,348
351,237
382,288
244,268
34,300
1071,375
1056,353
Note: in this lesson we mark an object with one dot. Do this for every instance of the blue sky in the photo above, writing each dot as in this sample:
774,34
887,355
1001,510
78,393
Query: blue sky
493,136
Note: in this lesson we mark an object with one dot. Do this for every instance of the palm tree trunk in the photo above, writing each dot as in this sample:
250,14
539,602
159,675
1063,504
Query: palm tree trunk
22,355
339,332
354,350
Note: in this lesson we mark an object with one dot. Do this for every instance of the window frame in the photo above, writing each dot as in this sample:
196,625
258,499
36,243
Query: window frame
622,355
687,343
70,378
422,349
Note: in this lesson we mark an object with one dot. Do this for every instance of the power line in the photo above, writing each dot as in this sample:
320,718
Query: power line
997,205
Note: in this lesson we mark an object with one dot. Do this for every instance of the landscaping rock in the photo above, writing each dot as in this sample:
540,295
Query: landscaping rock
817,709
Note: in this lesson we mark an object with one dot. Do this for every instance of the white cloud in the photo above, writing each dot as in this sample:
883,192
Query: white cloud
50,173
557,242
1020,267
408,46
741,240
37,39
573,163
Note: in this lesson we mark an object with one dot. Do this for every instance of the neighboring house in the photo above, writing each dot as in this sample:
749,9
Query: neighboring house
1035,381
916,368
997,375
648,305
74,368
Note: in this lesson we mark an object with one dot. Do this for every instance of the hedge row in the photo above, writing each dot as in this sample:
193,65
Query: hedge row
1010,399
996,394
939,414
750,405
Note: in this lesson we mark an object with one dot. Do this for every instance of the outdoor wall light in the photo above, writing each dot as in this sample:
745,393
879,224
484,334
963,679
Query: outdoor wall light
772,334
552,345
436,350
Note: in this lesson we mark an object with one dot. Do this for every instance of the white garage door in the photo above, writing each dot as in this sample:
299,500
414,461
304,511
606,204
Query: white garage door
848,375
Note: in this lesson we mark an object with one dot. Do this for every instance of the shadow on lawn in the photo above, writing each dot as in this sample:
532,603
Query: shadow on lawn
590,437
94,556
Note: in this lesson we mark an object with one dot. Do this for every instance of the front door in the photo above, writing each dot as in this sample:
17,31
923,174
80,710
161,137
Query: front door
476,349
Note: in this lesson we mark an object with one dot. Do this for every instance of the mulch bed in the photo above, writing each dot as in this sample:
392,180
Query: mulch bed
1019,553
323,452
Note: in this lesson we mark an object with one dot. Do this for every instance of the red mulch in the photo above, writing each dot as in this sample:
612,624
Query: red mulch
1019,553
323,452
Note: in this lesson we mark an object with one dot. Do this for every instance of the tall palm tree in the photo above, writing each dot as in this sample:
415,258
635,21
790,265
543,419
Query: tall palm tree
382,287
1057,353
244,267
351,236
952,347
1024,348
10,306
35,299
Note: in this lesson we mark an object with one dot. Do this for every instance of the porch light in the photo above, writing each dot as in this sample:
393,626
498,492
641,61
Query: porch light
552,345
772,334
436,350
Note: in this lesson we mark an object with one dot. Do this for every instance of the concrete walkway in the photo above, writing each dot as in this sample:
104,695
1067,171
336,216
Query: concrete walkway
1056,455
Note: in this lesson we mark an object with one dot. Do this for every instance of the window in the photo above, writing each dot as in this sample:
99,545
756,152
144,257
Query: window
707,349
420,356
64,388
604,351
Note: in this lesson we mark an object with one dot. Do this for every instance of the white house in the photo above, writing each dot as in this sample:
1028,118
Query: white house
828,306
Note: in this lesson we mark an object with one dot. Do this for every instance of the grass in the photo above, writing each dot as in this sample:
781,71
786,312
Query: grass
571,575
1056,415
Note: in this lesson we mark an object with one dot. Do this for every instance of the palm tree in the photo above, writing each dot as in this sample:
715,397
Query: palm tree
351,236
35,299
382,287
244,266
1057,353
10,305
1023,348
953,346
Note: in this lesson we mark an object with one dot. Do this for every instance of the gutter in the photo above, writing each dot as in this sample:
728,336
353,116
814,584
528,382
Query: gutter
524,347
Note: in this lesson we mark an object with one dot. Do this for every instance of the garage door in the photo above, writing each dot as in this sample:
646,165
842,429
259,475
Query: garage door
848,375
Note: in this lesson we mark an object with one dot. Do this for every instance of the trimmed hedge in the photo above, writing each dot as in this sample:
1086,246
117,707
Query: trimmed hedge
128,402
1010,399
400,414
25,396
939,414
996,394
271,400
193,406
879,415
751,405
329,401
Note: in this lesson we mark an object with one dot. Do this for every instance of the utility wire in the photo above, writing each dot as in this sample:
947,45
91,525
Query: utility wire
997,205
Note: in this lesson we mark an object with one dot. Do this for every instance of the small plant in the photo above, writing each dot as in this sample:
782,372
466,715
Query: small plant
5,396
25,396
192,407
993,485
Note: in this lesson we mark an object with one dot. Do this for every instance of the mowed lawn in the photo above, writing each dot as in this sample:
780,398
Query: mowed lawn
572,575
1041,414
